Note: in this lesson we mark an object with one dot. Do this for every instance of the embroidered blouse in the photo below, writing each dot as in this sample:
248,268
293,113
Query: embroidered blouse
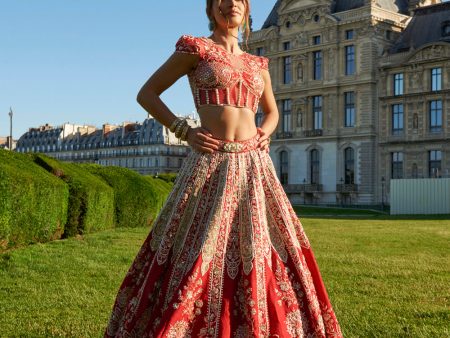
222,78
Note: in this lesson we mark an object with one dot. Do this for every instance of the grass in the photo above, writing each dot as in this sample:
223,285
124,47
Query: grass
386,277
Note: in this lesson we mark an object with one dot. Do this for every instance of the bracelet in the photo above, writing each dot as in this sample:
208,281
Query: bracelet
184,132
179,128
175,124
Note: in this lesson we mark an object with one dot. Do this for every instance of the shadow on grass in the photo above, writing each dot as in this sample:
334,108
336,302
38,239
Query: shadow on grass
307,211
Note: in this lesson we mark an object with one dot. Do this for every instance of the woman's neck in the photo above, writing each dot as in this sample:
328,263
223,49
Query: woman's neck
227,39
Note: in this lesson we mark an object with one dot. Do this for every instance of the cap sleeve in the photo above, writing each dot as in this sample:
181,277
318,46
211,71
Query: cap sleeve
188,44
264,62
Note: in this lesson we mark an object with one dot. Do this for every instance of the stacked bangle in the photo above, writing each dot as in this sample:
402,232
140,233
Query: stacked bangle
184,132
180,127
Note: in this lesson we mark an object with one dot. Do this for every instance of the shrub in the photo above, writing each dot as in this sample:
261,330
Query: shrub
161,187
135,200
33,203
168,177
91,200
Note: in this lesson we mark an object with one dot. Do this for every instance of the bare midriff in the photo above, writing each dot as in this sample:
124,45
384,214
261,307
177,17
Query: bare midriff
228,122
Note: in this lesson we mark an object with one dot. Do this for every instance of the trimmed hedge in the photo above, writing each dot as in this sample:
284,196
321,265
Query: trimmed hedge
91,200
136,202
33,203
161,187
168,177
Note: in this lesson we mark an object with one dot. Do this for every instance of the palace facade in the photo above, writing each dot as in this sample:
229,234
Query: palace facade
334,65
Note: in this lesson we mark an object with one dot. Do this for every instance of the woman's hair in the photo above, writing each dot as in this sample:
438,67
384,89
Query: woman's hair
246,21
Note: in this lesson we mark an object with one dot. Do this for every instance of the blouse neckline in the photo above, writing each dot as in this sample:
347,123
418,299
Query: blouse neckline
223,49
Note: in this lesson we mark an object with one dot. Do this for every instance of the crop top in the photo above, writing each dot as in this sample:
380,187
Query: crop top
222,78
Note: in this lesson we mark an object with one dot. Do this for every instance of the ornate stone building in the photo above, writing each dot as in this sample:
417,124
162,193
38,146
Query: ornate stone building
414,106
147,147
324,63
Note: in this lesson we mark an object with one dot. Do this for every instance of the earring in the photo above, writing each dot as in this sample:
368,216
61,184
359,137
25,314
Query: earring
212,25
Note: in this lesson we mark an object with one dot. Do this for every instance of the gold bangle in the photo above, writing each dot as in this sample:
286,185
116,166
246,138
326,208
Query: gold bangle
184,132
179,128
174,124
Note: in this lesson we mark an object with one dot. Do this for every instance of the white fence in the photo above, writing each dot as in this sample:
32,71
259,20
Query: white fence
420,196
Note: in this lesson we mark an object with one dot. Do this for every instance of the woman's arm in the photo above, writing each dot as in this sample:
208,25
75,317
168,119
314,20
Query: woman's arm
270,109
175,67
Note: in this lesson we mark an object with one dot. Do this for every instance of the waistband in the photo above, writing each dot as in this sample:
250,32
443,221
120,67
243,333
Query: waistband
238,146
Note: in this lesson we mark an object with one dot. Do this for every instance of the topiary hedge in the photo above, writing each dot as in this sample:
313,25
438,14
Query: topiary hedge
33,203
161,187
91,199
135,200
168,177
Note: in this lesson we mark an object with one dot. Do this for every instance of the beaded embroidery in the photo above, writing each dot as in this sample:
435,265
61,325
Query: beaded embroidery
221,78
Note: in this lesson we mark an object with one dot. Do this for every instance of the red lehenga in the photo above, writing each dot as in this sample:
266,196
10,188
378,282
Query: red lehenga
227,257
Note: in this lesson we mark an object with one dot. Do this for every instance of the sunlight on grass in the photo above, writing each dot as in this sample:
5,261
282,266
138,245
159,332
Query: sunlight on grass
385,278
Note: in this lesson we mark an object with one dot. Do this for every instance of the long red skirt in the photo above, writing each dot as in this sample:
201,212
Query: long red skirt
227,257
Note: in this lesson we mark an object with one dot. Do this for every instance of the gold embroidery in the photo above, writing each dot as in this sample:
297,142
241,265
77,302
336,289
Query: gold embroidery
225,209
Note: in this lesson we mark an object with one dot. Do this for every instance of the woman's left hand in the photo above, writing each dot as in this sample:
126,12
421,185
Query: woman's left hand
264,140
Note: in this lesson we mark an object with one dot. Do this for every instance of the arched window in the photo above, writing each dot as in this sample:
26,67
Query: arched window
349,165
315,166
284,166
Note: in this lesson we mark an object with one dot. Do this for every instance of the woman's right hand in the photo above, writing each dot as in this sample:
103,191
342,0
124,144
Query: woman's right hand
201,139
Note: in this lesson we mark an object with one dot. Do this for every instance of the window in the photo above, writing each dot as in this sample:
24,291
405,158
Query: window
397,119
434,163
260,51
397,165
436,79
316,40
286,115
286,45
446,28
349,109
284,167
258,117
315,166
317,75
388,34
349,165
435,108
398,84
349,60
349,34
317,112
287,69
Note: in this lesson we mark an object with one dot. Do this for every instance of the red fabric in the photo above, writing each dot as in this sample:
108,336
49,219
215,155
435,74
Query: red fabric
227,257
221,78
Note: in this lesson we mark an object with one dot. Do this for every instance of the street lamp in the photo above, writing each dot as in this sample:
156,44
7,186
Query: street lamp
341,192
10,128
382,193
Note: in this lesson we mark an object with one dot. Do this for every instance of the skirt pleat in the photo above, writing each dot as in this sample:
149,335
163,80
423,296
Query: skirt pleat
227,257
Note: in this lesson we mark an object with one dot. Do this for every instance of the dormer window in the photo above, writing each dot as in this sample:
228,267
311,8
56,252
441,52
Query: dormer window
446,28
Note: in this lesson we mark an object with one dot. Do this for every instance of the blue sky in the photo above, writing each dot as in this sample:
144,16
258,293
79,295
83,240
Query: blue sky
83,61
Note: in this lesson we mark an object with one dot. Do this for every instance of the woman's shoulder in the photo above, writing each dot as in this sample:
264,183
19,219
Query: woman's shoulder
190,44
262,61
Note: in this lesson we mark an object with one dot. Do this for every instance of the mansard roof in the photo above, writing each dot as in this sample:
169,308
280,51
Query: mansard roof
398,6
425,27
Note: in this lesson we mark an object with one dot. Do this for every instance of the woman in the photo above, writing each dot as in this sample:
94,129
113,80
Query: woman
227,255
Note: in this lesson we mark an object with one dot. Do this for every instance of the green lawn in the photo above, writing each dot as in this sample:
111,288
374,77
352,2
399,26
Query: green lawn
386,277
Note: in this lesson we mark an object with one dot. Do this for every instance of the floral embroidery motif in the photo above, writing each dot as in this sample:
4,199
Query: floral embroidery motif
221,78
225,254
294,324
179,330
